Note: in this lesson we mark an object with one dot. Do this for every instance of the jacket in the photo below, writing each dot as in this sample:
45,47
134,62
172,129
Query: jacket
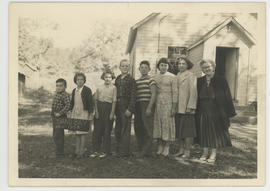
187,91
223,97
87,99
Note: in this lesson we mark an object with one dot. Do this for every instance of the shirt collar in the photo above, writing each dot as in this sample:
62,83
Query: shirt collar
80,90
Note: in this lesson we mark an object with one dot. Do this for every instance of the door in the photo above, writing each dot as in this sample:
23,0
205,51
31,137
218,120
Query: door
227,66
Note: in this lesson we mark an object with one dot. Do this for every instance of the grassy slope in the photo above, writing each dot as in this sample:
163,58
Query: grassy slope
36,145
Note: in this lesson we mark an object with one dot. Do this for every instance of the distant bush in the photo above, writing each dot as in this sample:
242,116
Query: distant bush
39,95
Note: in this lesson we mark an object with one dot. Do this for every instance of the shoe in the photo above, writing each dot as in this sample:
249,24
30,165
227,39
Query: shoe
177,154
185,156
102,155
211,161
160,150
203,158
94,155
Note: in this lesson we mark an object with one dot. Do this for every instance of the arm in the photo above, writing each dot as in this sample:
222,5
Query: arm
113,103
131,105
174,95
229,103
95,97
153,89
192,102
67,105
91,102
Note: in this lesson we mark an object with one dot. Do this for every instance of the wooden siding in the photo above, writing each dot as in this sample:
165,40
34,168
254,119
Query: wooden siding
232,39
195,55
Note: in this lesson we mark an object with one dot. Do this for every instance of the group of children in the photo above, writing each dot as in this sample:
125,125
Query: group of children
163,108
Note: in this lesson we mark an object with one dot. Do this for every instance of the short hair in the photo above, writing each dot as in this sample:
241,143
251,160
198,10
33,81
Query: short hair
61,80
188,62
145,62
163,60
123,60
107,72
79,74
207,61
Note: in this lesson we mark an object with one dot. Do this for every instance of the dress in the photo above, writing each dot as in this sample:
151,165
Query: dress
211,130
164,123
79,122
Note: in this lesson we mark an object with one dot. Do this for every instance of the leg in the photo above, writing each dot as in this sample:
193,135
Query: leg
188,143
82,145
160,146
213,154
125,137
148,124
107,137
78,144
181,148
166,148
117,131
96,137
205,154
138,126
58,137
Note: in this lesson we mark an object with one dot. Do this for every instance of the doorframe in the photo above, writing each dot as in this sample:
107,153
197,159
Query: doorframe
236,69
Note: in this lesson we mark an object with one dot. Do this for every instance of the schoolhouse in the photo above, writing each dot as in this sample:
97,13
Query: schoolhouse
228,39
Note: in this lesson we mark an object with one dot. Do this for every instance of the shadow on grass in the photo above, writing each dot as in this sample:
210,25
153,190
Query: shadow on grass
35,163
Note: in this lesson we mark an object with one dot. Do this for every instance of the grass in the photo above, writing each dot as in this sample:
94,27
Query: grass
36,146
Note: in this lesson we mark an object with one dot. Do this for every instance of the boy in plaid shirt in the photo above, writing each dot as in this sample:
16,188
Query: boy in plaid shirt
60,107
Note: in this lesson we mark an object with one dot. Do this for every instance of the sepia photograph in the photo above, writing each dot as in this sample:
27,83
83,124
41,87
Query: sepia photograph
161,93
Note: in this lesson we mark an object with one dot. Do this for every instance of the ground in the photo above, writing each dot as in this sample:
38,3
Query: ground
36,148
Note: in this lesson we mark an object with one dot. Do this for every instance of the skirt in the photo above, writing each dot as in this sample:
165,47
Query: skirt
185,126
79,126
211,131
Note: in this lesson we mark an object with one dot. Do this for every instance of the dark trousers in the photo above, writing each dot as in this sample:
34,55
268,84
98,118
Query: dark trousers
58,138
103,128
122,128
143,126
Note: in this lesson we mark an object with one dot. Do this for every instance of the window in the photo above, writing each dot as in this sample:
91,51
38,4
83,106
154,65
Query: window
173,53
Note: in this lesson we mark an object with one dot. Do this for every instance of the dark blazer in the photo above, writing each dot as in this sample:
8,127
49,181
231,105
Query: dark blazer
87,99
223,97
126,89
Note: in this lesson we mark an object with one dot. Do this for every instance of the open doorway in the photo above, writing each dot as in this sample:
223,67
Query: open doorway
227,66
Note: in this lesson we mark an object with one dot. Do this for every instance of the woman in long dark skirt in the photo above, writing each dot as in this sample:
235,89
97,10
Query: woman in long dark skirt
214,108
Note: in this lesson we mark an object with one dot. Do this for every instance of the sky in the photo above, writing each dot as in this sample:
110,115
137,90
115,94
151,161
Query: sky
75,20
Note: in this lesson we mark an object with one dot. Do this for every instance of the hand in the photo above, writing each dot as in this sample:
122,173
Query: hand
111,116
57,114
190,111
96,115
91,116
127,113
148,112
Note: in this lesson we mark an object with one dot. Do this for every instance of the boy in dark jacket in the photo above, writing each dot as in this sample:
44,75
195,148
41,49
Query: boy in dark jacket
125,106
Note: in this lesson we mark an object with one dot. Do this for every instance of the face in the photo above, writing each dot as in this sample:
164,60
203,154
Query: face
124,67
60,87
207,68
80,81
144,69
163,67
108,78
182,65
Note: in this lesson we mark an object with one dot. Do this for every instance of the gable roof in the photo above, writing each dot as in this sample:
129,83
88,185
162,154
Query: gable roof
221,26
133,30
190,33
